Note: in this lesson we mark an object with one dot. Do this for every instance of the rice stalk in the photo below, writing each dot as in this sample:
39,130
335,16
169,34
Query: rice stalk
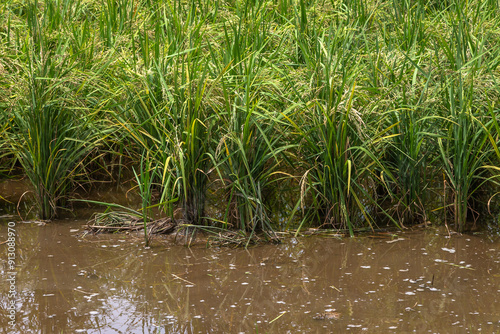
51,136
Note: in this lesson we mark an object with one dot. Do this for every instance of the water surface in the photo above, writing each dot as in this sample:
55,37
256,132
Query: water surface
417,281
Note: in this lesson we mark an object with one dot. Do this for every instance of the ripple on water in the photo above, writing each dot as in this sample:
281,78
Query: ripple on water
312,274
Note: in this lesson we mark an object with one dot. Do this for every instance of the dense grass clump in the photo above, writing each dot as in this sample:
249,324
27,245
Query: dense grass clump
363,106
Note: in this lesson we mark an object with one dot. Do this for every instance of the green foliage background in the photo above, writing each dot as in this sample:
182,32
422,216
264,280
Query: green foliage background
364,110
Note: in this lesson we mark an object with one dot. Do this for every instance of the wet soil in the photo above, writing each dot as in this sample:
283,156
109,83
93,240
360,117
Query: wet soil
416,281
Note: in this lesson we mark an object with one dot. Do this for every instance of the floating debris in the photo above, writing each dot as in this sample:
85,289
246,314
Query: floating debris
395,240
116,221
327,315
119,221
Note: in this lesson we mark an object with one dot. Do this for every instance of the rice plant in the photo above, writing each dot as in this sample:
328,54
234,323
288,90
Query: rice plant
249,153
52,132
330,148
469,143
408,161
51,139
4,169
145,179
168,120
466,150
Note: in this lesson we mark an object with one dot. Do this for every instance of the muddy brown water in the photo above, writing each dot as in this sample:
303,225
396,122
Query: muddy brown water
415,281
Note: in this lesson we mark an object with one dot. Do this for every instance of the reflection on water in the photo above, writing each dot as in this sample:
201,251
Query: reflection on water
420,281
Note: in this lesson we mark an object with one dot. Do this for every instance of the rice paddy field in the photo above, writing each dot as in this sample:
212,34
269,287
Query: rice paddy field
256,116
231,123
